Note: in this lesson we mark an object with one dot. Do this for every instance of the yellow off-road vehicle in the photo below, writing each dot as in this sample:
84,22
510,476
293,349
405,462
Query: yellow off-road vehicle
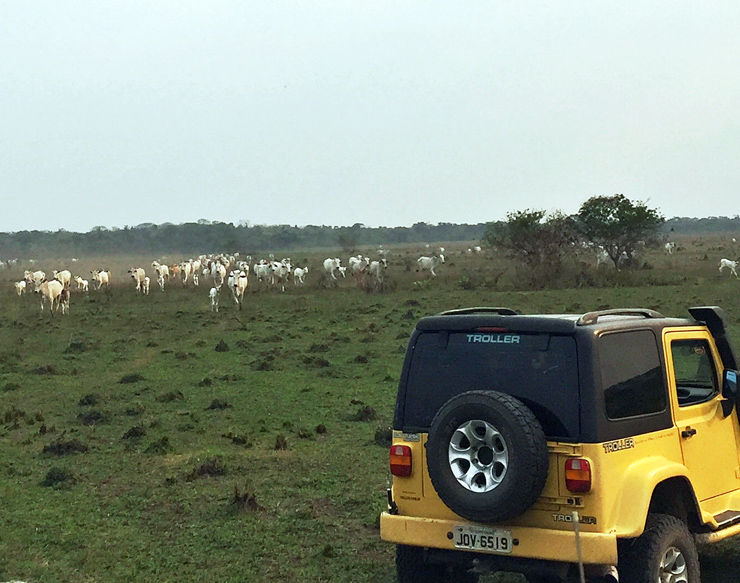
599,447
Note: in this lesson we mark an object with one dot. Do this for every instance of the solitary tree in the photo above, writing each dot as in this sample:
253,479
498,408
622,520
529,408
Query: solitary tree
618,225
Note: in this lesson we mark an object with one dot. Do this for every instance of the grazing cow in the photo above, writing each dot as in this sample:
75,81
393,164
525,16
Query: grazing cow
82,284
20,287
101,278
50,292
428,264
299,273
65,277
331,266
138,275
731,265
213,295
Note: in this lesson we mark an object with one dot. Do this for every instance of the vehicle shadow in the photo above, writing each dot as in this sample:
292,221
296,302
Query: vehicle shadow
717,570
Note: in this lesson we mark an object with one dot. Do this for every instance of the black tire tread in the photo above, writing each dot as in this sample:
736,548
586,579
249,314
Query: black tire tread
636,556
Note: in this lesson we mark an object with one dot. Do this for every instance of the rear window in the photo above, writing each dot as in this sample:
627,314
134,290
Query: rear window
538,369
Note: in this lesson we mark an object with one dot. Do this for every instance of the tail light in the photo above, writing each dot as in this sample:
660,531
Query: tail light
578,475
400,460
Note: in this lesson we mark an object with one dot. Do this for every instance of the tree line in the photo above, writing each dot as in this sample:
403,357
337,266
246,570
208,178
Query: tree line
215,237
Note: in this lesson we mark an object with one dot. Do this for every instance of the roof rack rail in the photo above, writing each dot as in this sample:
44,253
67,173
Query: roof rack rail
479,310
593,317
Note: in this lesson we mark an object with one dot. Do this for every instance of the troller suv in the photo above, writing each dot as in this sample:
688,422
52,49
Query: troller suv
597,447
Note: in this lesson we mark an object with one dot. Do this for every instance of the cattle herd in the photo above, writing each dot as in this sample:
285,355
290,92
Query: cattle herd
220,271
234,272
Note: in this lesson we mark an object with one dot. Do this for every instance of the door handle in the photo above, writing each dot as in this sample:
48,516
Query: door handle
688,432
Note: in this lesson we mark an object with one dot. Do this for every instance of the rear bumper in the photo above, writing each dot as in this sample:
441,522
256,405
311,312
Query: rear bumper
531,543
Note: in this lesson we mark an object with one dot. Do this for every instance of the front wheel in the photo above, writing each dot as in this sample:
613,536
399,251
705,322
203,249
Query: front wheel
665,552
411,567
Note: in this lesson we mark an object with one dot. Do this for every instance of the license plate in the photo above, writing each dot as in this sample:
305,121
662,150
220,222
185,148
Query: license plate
479,538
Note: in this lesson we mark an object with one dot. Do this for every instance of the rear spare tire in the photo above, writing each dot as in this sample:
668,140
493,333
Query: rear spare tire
487,456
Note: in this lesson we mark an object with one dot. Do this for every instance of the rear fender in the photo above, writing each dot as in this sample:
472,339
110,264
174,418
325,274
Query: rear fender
636,494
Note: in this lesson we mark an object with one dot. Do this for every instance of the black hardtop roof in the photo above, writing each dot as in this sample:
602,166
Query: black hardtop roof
622,318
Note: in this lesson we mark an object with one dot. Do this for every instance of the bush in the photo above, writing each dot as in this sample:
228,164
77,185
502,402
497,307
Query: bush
58,478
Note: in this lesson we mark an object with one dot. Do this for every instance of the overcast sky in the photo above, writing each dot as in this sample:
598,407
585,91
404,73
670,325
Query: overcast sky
386,113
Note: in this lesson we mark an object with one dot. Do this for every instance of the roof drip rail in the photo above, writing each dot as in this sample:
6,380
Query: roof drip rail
593,317
479,310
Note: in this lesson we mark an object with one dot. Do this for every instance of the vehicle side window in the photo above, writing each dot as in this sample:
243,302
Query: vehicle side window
631,374
696,378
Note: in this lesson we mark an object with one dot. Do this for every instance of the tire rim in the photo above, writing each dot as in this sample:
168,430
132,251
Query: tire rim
673,567
478,456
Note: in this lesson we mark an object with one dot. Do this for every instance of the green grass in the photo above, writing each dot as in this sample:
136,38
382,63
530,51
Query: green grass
192,431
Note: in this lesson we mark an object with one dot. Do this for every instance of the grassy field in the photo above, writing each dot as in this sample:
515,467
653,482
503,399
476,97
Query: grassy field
146,437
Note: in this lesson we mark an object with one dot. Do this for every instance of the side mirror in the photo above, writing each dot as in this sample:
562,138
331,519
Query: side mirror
729,385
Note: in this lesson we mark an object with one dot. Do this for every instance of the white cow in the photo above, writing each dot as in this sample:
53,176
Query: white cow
101,278
299,273
428,264
138,275
82,284
263,271
20,287
731,265
377,270
602,257
218,271
50,292
35,277
196,264
145,285
163,273
280,273
64,276
670,247
186,268
213,295
239,285
331,266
